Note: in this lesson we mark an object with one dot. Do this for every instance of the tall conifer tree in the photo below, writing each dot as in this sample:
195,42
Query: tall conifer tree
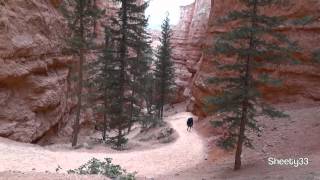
81,16
128,31
164,67
104,81
139,65
149,95
253,44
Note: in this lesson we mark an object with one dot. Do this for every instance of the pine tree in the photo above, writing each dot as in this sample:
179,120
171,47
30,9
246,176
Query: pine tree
164,67
146,89
81,16
252,45
103,83
139,65
128,33
149,93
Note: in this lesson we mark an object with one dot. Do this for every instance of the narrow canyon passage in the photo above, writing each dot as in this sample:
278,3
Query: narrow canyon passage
187,151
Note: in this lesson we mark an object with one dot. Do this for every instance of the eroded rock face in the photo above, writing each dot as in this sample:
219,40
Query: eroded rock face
33,69
33,72
301,83
187,42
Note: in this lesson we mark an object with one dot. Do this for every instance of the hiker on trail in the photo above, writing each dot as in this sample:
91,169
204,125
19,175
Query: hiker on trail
189,123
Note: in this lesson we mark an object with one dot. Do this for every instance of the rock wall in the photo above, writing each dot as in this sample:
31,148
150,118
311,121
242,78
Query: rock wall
33,71
187,42
301,83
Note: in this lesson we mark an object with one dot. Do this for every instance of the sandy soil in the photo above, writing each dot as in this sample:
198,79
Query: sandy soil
14,175
138,141
293,137
186,158
187,151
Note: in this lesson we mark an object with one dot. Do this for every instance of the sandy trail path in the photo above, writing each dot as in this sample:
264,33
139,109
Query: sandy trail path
187,151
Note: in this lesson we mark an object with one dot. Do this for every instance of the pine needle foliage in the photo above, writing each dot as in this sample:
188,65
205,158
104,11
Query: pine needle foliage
120,71
164,67
81,16
253,45
138,67
104,73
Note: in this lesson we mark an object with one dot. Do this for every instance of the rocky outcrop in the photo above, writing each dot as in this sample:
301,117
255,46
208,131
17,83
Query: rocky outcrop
36,89
155,38
301,82
187,42
33,72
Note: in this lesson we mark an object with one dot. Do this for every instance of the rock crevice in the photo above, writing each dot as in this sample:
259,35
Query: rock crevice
187,43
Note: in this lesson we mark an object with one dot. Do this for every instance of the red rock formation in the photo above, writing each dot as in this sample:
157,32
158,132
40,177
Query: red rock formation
155,38
188,38
34,70
301,82
110,11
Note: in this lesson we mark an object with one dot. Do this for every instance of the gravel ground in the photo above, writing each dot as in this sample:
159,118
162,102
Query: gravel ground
187,151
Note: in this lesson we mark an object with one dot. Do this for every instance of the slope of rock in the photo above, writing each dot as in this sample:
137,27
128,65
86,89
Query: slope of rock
187,42
301,82
33,71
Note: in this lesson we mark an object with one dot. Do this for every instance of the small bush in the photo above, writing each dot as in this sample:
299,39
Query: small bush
118,143
106,168
165,132
151,121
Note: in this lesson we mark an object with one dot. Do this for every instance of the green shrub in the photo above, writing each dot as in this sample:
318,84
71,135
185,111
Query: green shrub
106,168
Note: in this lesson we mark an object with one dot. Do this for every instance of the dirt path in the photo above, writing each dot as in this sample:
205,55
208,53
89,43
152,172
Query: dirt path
185,152
294,137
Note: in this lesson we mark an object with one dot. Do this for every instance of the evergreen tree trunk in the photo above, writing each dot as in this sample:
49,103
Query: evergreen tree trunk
243,122
237,163
118,143
162,96
105,115
245,103
123,52
107,43
131,111
95,28
161,112
76,125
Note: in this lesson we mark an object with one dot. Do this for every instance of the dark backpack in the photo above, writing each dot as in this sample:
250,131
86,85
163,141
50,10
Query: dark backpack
190,121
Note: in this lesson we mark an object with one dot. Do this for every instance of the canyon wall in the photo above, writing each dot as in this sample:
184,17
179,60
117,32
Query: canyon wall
33,71
187,44
301,82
